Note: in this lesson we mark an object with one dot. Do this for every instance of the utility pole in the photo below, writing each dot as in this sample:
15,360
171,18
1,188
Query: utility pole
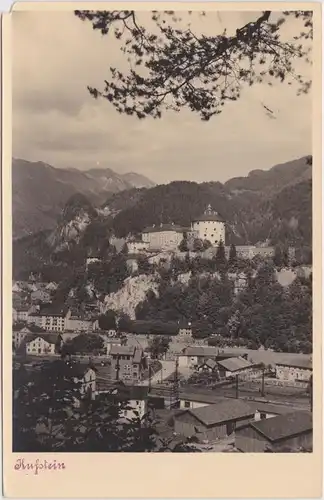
117,368
149,380
176,381
262,387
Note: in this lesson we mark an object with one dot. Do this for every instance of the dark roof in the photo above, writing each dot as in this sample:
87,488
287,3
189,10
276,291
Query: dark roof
51,338
166,227
211,363
201,398
122,350
224,411
215,217
284,426
50,311
275,409
200,351
297,363
234,364
23,308
78,370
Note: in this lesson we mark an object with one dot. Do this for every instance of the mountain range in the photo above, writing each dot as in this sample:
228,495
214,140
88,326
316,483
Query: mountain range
266,207
40,191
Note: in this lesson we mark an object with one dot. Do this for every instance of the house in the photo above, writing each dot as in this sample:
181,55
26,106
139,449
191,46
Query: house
136,246
191,399
51,319
127,363
109,342
19,335
39,344
20,313
296,370
86,376
267,410
209,365
40,295
52,286
290,431
214,421
135,396
34,318
78,322
233,366
195,355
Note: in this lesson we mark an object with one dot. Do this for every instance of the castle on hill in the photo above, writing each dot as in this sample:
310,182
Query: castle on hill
209,226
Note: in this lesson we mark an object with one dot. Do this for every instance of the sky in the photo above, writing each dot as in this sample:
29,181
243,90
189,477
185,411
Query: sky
55,120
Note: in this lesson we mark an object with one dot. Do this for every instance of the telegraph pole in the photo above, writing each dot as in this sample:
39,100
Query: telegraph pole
262,387
149,380
176,381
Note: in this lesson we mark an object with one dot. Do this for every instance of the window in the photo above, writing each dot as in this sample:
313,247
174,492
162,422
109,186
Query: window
263,416
187,404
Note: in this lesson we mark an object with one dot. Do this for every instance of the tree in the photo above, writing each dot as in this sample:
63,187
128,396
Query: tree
159,346
232,255
183,247
124,323
220,258
198,245
172,67
207,244
46,417
278,257
86,343
107,321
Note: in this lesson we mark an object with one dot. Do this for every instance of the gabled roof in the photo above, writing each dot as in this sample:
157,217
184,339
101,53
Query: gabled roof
122,350
275,409
284,426
234,364
297,363
51,338
200,351
211,363
224,411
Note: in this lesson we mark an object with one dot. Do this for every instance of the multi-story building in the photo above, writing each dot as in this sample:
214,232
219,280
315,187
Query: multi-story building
127,363
39,344
164,237
50,319
209,226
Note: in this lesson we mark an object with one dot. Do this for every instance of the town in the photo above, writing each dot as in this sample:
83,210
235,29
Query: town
203,392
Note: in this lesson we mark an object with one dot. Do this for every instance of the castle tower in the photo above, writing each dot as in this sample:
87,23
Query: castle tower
210,226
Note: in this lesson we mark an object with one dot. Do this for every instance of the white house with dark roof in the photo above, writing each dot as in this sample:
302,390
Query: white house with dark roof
295,370
39,344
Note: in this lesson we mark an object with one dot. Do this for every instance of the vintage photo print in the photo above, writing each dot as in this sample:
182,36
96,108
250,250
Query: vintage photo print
162,281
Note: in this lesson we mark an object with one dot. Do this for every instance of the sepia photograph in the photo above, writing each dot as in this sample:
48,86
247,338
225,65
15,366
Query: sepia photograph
162,232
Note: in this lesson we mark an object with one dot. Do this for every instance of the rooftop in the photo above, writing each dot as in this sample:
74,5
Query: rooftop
209,215
122,350
284,426
200,351
234,364
223,411
297,363
166,227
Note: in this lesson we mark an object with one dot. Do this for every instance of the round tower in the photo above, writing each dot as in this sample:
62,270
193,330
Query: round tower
210,226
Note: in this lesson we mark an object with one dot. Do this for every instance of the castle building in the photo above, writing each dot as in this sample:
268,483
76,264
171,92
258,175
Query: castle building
164,237
209,226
